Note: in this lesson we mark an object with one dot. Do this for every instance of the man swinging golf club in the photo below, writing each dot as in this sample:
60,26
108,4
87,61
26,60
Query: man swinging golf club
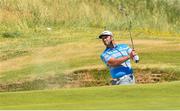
117,58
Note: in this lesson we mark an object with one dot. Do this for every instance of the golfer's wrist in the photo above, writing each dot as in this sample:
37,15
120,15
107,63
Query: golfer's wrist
128,57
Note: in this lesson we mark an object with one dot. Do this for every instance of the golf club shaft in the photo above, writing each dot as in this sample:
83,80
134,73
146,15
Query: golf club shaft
124,12
132,43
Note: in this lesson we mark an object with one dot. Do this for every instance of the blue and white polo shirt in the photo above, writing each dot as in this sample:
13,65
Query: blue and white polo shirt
118,51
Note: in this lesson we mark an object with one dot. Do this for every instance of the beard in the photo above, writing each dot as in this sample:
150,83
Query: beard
109,43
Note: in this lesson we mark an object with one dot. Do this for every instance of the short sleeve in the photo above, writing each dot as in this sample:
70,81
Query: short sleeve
105,57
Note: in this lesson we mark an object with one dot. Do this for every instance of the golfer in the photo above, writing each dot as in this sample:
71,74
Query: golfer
117,58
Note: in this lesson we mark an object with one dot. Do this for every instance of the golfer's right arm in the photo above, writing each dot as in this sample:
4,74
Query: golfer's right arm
116,62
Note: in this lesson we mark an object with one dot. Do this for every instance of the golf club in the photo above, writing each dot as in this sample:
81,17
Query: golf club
123,11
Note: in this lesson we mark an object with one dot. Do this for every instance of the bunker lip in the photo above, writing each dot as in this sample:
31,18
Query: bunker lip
95,77
88,78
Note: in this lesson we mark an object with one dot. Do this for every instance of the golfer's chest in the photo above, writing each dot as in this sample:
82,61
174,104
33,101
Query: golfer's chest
116,53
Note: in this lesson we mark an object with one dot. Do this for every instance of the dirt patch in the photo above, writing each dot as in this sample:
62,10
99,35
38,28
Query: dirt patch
144,76
94,77
88,78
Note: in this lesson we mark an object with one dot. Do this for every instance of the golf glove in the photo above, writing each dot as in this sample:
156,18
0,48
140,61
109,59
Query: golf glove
136,58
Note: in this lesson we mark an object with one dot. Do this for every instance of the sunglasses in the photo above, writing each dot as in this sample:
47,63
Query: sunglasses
104,36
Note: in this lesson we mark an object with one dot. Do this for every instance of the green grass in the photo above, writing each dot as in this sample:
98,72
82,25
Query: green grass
153,96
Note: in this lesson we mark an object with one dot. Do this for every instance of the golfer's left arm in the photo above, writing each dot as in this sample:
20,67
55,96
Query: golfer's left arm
117,61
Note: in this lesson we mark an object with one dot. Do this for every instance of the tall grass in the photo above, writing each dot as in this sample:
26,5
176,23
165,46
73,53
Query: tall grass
28,16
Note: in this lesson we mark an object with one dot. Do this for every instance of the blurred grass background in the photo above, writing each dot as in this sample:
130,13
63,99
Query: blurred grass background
25,16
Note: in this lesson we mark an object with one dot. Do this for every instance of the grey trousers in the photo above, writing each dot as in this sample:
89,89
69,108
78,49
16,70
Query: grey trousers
124,80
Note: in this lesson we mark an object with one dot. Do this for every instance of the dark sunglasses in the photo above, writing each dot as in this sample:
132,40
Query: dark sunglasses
104,36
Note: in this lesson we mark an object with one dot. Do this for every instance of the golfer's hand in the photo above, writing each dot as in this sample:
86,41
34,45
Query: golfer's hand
132,54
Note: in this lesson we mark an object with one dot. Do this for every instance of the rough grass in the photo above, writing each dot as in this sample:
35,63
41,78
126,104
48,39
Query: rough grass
136,97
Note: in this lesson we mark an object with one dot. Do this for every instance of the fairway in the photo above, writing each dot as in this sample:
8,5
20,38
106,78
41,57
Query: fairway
152,96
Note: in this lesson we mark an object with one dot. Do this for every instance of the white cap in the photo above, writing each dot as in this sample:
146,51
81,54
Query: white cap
105,33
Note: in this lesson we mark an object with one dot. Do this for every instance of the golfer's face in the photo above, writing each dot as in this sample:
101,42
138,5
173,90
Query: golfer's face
106,40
